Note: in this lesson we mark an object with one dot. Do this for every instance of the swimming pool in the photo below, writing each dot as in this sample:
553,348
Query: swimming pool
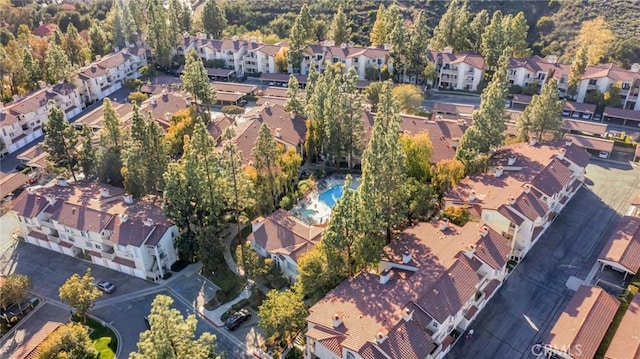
332,195
308,213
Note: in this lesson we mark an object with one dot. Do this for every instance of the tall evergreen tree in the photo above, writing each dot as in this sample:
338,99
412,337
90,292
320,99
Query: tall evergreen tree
111,134
294,103
98,42
117,26
352,124
180,17
383,177
487,130
32,69
74,46
264,152
416,56
300,37
544,114
136,10
577,70
156,156
339,31
129,26
171,336
213,20
443,34
398,38
342,233
159,34
133,169
57,65
60,141
476,30
461,38
517,35
196,81
380,30
493,40
88,154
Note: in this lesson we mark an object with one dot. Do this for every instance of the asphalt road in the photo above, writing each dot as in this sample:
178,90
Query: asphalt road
527,306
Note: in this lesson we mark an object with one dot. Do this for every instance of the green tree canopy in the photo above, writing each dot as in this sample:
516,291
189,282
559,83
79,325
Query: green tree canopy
544,113
60,141
68,341
282,314
13,289
80,293
339,30
213,19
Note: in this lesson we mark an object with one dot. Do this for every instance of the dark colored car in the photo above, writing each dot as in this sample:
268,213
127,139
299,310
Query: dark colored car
105,286
237,318
21,167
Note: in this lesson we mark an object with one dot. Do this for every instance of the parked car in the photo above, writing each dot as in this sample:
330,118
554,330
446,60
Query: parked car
21,167
575,115
603,154
237,318
566,113
597,117
105,285
586,116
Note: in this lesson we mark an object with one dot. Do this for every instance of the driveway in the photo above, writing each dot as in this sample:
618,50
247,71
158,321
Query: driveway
528,305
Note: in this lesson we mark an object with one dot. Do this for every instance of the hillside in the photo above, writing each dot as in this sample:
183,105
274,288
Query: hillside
553,24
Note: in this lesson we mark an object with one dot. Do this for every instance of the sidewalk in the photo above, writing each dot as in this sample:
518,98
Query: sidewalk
214,315
233,232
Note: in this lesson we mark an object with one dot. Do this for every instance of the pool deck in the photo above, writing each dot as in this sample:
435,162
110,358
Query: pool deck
312,201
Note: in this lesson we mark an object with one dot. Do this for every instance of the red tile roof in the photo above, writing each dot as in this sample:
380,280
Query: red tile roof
580,107
611,71
585,127
622,113
443,134
491,287
623,246
29,348
553,177
29,205
626,342
493,249
531,206
283,233
45,30
591,143
12,182
584,322
511,215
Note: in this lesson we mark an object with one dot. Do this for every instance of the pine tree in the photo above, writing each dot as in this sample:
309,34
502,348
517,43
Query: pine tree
60,141
159,34
398,38
180,16
343,231
460,37
577,70
171,336
88,154
129,26
476,30
383,176
264,152
117,28
417,57
302,33
380,30
156,156
294,103
133,169
136,12
493,41
97,40
487,130
443,34
213,20
32,69
57,65
544,114
74,46
517,35
111,134
339,31
196,80
352,124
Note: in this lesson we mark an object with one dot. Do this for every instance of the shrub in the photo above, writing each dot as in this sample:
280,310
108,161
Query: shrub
232,110
458,215
138,97
515,89
133,84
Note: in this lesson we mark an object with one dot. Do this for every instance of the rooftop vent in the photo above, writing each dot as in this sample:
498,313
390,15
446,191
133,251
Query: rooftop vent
104,192
381,336
454,142
128,199
512,199
337,319
484,230
385,276
148,222
406,257
278,132
407,314
527,188
123,217
635,67
472,196
448,50
499,171
561,153
444,224
62,182
512,160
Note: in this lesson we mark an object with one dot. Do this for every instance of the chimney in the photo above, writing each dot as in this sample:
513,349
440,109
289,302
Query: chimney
385,276
164,94
512,160
148,222
635,67
406,257
104,192
128,199
62,182
527,188
561,153
387,47
568,143
94,66
512,200
533,141
444,224
257,223
552,59
454,142
278,132
472,196
499,171
471,249
484,230
267,104
167,116
407,314
337,319
448,50
50,199
154,102
381,336
292,115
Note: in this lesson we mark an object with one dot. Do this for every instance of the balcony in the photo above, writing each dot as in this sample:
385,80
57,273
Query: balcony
108,253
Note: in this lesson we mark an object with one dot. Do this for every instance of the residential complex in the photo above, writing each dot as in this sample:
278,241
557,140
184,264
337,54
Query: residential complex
436,278
99,223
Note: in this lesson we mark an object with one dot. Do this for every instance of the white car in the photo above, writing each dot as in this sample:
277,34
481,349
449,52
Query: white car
105,286
566,113
575,115
586,116
603,154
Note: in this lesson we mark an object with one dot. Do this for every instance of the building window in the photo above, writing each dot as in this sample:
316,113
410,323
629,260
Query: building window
592,82
98,246
350,355
67,229
89,245
84,234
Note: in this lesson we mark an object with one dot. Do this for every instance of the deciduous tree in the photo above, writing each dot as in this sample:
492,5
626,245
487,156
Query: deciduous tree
409,97
13,290
577,70
282,314
80,293
70,340
172,336
598,39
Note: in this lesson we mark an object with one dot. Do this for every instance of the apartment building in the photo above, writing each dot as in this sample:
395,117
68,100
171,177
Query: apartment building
231,51
432,282
284,239
262,58
21,120
537,70
530,183
98,223
602,77
107,74
462,71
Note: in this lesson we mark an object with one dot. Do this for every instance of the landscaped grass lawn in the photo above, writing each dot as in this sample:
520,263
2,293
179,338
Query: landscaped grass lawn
104,340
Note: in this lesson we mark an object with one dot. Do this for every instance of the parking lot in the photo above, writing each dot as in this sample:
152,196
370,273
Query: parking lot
529,303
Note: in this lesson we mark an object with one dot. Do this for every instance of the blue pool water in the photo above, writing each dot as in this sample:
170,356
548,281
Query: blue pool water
332,195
